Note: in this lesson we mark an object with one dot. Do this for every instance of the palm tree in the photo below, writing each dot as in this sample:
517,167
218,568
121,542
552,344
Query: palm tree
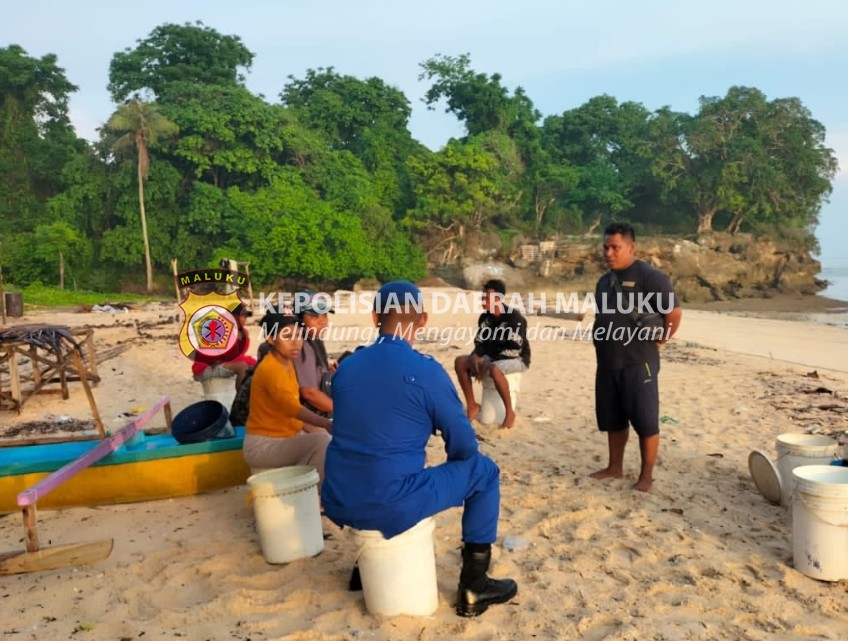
139,124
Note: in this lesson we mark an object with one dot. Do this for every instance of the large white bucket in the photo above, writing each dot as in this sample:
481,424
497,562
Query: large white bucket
795,450
220,389
820,521
288,513
492,409
399,574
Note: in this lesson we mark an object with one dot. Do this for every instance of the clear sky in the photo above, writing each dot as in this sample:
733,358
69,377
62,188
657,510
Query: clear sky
563,52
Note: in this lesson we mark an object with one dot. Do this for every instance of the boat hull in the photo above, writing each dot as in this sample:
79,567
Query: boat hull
158,468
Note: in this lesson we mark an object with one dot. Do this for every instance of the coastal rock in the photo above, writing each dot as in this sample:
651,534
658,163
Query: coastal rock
709,267
476,274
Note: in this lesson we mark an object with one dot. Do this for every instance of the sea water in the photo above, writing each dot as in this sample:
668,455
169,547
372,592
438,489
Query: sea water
835,271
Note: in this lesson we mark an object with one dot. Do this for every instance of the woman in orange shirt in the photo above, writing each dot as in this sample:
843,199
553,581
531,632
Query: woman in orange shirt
280,431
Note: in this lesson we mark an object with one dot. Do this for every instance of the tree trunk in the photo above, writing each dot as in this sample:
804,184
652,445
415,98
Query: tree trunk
147,265
541,208
61,271
705,220
735,223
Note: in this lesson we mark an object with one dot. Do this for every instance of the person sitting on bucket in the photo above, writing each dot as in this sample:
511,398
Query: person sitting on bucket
313,366
235,362
279,430
388,400
500,348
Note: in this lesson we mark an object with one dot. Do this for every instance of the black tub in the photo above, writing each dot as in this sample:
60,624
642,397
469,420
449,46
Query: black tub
200,422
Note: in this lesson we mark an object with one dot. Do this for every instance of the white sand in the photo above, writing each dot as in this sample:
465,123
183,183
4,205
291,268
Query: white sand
703,556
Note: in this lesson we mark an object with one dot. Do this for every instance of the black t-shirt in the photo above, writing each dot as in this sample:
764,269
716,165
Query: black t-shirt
501,337
618,340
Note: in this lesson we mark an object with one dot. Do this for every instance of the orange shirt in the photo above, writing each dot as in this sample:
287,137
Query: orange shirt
274,399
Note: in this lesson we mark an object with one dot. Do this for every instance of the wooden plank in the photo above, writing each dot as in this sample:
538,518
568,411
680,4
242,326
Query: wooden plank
31,495
14,381
63,377
55,557
46,440
106,354
36,373
169,421
31,528
87,388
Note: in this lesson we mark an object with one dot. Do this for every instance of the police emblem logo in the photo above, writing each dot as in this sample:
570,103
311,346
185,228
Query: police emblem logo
211,302
210,326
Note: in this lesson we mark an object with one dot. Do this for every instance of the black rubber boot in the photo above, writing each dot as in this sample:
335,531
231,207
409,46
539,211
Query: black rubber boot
476,590
355,583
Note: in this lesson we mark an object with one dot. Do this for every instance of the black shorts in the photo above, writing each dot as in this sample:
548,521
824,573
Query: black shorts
628,395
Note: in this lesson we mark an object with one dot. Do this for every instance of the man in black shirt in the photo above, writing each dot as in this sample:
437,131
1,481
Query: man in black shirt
500,348
637,313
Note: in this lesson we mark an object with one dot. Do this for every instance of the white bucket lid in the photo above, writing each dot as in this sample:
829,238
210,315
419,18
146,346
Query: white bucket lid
290,479
803,440
766,476
827,482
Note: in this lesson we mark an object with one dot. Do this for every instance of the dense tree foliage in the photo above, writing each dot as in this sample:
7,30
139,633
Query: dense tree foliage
329,185
174,54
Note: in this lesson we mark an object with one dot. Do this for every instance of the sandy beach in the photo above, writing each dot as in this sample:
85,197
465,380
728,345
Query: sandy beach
703,556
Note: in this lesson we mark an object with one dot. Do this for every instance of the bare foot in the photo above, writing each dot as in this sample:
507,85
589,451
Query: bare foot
643,485
473,411
509,420
606,473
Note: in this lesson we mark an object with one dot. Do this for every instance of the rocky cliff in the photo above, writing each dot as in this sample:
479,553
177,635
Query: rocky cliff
713,266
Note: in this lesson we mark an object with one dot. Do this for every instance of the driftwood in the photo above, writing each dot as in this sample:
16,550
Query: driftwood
795,398
112,352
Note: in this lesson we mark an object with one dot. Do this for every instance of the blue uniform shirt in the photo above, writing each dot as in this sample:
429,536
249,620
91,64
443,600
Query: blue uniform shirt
387,401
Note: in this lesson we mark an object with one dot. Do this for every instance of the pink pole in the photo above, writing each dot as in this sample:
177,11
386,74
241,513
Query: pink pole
102,449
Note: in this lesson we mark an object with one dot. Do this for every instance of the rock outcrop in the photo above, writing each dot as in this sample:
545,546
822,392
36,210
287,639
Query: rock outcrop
715,266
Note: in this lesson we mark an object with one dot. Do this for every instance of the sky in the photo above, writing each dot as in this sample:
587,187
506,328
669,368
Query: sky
562,52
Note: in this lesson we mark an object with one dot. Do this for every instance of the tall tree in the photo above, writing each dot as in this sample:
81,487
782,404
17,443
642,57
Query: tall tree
227,136
367,118
744,156
36,138
175,53
478,100
138,125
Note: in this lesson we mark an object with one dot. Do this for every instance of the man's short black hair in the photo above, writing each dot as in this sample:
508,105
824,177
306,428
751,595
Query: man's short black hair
625,229
496,285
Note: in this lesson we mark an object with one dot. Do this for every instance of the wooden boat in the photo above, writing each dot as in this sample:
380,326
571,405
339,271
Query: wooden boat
142,468
124,467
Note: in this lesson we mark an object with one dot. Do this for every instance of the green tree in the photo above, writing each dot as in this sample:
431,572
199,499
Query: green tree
36,138
608,144
480,101
743,156
57,240
227,136
459,189
175,53
286,230
366,118
139,125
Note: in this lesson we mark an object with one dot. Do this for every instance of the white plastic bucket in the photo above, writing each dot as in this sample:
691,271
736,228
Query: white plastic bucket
820,521
220,389
492,410
288,513
795,450
399,574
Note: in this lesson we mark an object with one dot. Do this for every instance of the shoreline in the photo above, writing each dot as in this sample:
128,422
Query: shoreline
778,304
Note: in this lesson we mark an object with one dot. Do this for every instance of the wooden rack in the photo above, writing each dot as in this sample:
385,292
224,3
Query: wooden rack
43,359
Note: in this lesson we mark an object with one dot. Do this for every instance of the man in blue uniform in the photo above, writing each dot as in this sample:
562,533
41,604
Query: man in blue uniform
387,401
